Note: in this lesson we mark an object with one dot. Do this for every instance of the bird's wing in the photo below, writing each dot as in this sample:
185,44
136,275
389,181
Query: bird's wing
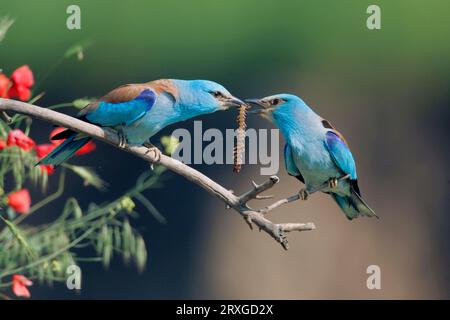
353,205
291,168
340,153
121,106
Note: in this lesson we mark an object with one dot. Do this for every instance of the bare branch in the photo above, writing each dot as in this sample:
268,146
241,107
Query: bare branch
239,204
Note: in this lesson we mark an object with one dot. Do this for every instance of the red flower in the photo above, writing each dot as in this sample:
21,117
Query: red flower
2,144
43,149
23,76
87,148
21,92
49,168
5,85
54,133
23,80
17,138
20,284
20,200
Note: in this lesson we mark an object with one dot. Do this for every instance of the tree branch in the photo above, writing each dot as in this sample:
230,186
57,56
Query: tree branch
239,204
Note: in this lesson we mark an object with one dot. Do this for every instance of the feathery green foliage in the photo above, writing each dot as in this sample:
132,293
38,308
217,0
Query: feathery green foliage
43,252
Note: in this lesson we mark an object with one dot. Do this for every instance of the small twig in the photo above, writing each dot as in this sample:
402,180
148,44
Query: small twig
239,204
257,189
296,197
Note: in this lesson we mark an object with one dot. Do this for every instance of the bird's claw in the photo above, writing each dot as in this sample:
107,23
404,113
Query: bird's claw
303,194
156,152
249,222
332,183
148,145
122,139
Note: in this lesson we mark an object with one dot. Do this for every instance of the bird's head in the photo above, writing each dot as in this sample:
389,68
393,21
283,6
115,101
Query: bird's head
277,106
204,96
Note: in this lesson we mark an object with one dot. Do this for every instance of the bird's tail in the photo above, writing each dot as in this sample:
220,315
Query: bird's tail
353,205
66,149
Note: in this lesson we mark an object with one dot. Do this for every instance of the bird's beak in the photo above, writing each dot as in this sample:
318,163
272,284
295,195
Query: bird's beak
233,102
257,106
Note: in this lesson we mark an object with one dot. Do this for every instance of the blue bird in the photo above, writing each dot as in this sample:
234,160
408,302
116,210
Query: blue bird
315,152
139,111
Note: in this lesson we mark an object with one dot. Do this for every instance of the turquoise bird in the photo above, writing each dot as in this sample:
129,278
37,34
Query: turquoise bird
139,111
315,152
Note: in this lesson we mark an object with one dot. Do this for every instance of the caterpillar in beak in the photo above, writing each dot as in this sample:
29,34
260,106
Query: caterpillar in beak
239,148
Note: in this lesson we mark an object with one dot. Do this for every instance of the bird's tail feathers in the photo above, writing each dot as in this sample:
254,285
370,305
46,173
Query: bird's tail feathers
66,149
353,205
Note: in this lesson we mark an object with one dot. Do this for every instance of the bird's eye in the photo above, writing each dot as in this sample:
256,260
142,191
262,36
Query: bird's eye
275,101
217,94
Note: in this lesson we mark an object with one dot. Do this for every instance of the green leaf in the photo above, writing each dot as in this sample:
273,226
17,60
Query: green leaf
107,248
126,237
89,176
117,238
141,254
18,235
107,255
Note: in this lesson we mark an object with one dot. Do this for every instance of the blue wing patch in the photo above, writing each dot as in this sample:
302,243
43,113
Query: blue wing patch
124,113
340,154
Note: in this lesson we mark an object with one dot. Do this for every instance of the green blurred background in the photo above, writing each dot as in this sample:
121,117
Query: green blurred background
386,90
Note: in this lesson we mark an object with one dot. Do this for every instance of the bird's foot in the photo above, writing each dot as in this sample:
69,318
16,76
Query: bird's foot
332,183
303,194
156,152
148,145
122,139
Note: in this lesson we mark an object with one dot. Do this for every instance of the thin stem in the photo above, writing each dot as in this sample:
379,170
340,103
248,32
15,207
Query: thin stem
36,98
296,196
48,72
